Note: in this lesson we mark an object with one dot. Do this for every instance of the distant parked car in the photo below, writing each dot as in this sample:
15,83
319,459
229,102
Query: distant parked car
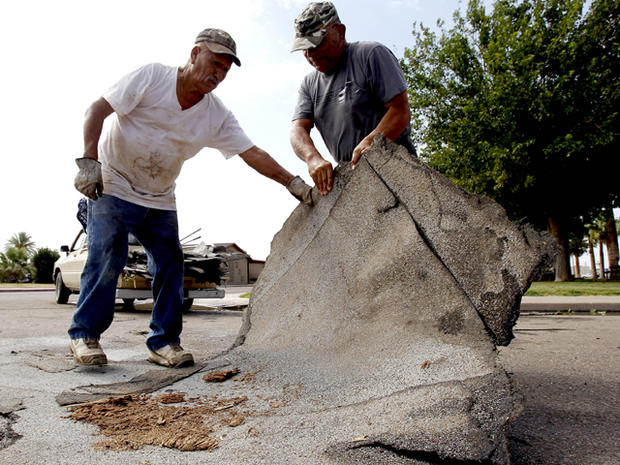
204,270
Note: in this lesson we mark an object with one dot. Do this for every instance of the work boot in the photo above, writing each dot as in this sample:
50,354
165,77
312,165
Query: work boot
171,356
87,351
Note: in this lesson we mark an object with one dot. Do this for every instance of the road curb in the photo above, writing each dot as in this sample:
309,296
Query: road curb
20,289
564,307
582,303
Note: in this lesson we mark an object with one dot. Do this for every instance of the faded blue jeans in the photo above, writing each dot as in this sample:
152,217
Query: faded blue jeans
110,219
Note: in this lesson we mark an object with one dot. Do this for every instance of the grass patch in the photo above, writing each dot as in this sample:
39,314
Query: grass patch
539,288
577,287
25,285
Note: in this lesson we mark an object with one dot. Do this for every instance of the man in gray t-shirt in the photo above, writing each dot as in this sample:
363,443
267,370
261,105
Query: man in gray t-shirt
356,91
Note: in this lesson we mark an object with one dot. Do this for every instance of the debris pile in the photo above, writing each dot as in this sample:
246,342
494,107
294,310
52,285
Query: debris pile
8,418
219,376
168,420
173,420
385,302
370,336
202,265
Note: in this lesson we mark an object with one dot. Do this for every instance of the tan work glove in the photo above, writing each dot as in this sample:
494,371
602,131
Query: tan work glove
89,180
300,190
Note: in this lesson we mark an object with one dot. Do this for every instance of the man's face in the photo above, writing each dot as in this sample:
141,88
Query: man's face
208,68
325,57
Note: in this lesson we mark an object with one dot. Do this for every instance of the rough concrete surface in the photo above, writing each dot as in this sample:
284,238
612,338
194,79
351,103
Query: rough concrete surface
370,338
383,304
568,368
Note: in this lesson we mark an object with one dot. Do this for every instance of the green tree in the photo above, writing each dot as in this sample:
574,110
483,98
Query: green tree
602,230
592,241
43,261
611,242
522,103
22,240
14,265
577,246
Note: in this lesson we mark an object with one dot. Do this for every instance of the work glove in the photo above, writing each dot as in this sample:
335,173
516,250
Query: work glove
300,190
89,180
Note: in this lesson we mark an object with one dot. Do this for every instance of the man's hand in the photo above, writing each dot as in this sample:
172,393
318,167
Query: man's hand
392,125
89,180
320,169
322,174
360,150
300,190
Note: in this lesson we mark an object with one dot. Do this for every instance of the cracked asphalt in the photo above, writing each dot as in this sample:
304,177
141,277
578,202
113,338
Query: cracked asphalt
566,366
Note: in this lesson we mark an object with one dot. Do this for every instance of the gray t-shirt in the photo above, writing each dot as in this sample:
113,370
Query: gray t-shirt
347,104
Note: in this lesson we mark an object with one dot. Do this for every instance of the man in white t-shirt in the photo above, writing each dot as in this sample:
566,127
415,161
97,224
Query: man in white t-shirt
163,116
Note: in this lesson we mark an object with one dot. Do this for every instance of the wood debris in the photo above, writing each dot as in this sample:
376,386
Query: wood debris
277,404
219,376
249,377
252,432
172,398
236,421
132,421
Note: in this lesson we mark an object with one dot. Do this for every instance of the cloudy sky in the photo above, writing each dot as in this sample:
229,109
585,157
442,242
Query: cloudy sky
60,56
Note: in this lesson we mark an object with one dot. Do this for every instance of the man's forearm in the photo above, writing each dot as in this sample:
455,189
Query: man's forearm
396,119
262,162
319,169
302,144
392,125
93,125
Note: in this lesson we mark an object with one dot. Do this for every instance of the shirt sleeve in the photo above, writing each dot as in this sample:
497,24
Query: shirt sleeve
231,139
385,74
128,92
305,106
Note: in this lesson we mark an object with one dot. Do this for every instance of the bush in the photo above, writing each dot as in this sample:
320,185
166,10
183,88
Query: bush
14,265
43,261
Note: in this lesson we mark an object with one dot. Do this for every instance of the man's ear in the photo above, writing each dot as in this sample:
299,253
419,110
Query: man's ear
194,54
342,29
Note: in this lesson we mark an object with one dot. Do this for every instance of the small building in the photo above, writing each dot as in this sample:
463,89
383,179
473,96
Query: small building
242,269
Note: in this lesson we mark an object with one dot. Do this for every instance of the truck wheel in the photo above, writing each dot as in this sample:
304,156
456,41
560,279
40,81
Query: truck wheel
187,304
128,305
62,291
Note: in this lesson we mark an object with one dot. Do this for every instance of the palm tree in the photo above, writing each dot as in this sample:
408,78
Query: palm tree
577,246
597,233
591,243
22,241
611,243
14,265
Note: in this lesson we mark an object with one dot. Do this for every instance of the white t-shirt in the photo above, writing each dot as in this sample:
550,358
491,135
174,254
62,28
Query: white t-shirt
151,136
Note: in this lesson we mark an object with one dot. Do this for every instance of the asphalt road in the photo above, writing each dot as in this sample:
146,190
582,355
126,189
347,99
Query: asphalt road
566,366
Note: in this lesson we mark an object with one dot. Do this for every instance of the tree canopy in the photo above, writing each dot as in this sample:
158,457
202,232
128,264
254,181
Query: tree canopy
522,104
23,241
14,265
21,260
43,263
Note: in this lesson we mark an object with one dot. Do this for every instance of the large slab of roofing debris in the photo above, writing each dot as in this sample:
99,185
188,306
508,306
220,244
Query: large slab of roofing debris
375,321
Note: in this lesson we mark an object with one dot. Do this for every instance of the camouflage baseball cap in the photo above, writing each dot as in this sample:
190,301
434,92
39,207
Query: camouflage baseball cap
311,23
219,41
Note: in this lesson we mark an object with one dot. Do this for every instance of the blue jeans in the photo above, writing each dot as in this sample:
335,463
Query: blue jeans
110,220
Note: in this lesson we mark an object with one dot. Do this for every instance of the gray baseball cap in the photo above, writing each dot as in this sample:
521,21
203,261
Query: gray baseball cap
311,23
219,41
